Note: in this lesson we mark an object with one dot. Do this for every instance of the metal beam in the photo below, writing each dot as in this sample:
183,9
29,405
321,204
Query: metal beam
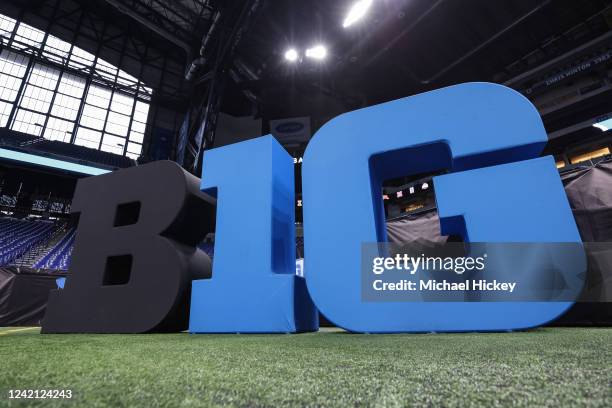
147,23
225,51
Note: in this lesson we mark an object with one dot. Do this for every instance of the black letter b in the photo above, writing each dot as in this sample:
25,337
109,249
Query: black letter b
135,253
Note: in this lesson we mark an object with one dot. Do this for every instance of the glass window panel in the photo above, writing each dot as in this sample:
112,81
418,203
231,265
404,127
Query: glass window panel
106,70
56,49
106,115
28,122
44,76
124,82
36,98
93,117
142,107
113,144
134,150
127,76
141,112
5,111
80,58
138,127
7,25
122,103
106,66
9,86
88,138
58,129
117,124
13,64
136,137
28,36
65,106
126,79
71,85
140,117
98,96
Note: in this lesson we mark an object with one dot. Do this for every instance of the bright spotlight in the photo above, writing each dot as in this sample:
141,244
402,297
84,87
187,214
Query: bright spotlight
291,55
317,52
356,13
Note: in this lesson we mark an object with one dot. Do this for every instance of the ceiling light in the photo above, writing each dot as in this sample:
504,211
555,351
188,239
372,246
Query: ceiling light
356,13
317,52
291,55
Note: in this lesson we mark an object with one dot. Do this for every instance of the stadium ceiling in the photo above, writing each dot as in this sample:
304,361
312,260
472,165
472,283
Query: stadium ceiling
399,48
178,21
404,47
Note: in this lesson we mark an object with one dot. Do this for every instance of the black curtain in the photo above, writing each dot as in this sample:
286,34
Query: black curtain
23,295
589,191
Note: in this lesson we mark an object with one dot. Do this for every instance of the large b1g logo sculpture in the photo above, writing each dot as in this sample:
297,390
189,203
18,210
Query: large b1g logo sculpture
136,268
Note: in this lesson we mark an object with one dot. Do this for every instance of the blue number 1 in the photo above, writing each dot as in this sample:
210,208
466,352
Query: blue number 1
253,288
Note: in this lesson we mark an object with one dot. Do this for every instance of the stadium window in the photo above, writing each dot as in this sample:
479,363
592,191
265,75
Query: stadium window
139,120
5,111
56,49
93,117
7,25
88,138
13,64
69,95
106,70
58,129
126,79
28,37
65,107
28,122
80,59
12,70
98,96
113,144
133,150
39,90
36,99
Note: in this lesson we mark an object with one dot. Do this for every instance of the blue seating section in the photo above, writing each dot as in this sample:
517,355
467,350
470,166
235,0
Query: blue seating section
59,256
19,236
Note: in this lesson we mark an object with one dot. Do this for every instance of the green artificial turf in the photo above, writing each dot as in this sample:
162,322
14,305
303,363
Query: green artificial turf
552,367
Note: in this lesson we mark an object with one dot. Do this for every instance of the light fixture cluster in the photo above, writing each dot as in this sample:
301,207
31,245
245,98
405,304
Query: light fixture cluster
319,52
